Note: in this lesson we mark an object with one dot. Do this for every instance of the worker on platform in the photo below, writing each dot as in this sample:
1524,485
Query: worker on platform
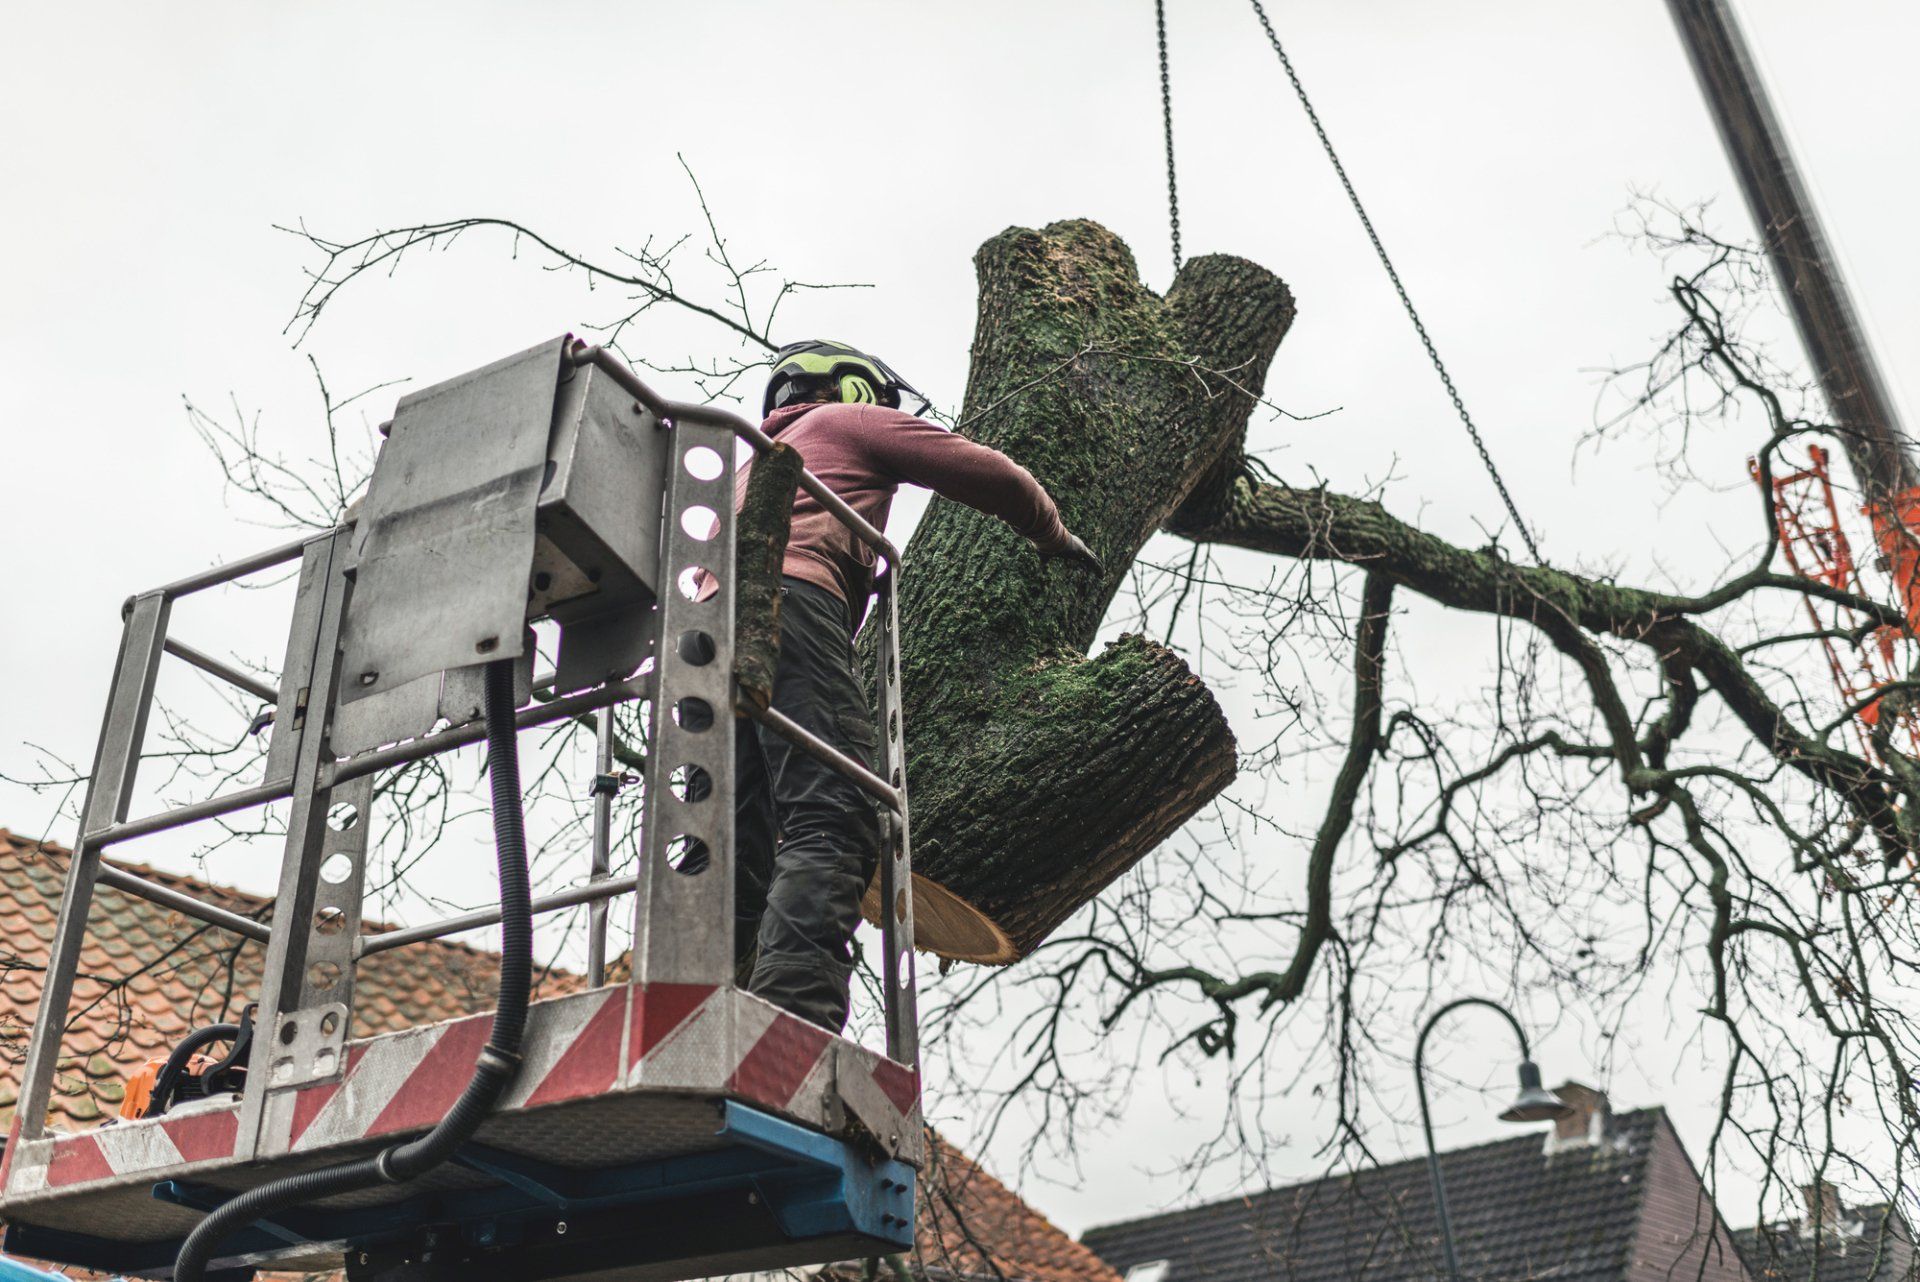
807,838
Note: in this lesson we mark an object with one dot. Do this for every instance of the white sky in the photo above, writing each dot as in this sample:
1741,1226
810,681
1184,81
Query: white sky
149,149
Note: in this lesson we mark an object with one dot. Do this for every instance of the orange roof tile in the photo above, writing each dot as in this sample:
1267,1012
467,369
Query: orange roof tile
972,1226
148,975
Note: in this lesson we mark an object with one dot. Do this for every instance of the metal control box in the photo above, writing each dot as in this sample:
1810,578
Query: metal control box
527,489
597,522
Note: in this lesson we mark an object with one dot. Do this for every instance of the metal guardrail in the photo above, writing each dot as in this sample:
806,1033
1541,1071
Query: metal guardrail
105,823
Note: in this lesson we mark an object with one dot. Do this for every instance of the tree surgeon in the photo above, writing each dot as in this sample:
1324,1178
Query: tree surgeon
807,839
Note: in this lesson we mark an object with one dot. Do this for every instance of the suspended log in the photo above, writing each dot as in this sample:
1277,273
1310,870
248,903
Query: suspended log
1039,775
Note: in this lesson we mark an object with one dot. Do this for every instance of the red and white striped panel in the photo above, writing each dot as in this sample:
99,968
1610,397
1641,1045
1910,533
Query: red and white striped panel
158,1148
688,1037
407,1081
898,1084
680,1038
782,1062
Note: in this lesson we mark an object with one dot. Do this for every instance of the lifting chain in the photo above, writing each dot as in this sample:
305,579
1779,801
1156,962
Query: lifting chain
1166,117
1433,354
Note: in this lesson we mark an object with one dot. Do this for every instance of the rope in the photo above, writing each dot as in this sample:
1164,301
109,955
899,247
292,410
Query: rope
1166,118
1433,354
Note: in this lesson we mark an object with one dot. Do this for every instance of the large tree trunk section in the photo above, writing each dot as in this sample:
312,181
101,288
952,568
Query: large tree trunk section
1039,775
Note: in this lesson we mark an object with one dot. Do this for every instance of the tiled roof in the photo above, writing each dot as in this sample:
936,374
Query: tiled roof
149,975
1517,1213
1869,1244
970,1225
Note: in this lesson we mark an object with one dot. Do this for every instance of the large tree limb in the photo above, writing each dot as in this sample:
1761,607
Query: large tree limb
1316,524
1363,743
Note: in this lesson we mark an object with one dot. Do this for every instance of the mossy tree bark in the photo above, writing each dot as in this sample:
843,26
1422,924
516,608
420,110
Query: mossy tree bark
1038,774
761,528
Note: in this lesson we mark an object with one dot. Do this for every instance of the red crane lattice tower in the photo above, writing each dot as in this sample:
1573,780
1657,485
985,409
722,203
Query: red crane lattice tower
1814,540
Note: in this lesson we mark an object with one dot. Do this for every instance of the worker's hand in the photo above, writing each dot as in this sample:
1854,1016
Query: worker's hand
1077,553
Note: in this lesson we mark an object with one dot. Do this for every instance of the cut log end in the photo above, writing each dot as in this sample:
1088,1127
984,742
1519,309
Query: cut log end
948,926
1031,819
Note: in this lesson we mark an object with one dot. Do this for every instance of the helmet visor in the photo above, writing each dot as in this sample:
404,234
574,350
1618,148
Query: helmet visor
912,402
905,395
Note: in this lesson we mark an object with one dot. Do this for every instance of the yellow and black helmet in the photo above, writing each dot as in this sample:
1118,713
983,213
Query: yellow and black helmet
803,369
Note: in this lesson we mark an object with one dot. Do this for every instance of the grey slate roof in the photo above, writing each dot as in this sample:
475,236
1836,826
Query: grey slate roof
1517,1213
1870,1244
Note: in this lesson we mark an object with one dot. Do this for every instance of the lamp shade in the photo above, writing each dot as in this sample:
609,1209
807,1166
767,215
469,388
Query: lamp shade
1536,1103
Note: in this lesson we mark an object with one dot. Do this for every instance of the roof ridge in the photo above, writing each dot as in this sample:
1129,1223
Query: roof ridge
1250,1196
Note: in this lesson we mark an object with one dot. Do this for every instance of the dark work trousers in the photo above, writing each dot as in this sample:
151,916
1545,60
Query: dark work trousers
806,838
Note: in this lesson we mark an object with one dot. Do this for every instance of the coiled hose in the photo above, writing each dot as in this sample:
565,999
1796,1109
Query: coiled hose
499,1059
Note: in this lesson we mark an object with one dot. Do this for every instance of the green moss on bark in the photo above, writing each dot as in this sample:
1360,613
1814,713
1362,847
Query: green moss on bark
1037,774
761,528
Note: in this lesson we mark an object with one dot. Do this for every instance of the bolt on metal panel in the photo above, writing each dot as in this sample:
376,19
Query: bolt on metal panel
311,841
456,697
296,670
463,691
445,538
407,711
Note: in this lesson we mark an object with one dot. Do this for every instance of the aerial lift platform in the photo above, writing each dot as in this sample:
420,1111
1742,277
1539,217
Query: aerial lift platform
668,1126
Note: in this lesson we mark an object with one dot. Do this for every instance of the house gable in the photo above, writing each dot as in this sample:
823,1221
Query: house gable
1680,1234
1606,1196
1517,1212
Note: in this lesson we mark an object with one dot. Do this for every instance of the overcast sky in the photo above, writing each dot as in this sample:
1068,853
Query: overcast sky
152,148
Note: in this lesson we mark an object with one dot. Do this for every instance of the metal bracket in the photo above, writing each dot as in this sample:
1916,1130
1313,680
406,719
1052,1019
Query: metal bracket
866,1114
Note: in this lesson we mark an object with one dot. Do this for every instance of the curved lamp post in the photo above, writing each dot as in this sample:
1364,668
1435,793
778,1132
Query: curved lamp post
1535,1104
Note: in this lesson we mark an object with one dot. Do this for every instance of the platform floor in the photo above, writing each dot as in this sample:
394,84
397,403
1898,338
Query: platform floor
614,1079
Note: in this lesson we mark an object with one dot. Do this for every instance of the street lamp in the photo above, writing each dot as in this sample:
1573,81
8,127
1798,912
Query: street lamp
1535,1104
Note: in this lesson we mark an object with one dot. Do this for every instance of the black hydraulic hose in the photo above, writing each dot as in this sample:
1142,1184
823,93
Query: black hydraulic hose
499,1059
168,1079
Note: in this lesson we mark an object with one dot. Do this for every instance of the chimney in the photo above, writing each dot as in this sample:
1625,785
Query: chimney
1586,1124
1823,1206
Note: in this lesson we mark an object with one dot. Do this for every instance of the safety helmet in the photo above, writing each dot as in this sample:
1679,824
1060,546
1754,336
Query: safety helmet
800,369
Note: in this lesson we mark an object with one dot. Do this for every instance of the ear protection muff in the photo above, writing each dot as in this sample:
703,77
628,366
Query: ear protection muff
856,390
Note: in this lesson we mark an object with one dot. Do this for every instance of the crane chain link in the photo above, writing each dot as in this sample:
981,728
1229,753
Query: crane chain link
1166,117
1433,353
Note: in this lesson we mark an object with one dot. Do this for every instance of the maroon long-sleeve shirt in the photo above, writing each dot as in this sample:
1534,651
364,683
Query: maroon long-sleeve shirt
865,453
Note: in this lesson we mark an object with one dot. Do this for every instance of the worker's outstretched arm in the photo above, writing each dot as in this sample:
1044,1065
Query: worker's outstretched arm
965,471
